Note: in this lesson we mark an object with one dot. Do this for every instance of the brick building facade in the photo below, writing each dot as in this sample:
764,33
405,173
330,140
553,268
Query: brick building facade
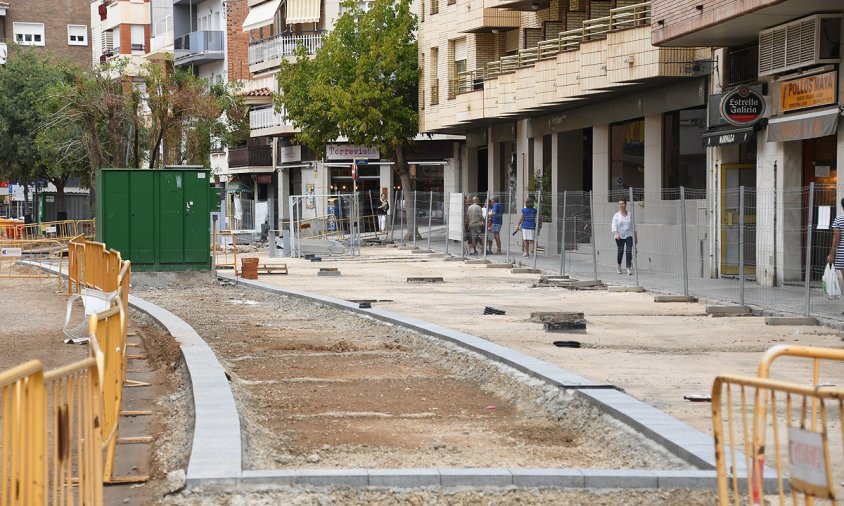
58,26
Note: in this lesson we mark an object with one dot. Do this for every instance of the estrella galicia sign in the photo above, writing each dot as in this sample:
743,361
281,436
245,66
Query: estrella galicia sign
742,106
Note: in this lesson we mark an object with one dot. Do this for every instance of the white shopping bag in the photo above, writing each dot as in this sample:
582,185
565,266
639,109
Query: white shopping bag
830,283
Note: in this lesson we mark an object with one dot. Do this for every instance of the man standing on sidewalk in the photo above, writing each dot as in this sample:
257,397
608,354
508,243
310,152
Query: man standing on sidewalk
476,225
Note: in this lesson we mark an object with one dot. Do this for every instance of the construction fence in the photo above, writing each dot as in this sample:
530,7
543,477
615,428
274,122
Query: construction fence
59,428
778,441
735,248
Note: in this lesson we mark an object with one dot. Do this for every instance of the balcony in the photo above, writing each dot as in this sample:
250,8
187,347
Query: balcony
267,53
266,121
251,156
605,56
197,48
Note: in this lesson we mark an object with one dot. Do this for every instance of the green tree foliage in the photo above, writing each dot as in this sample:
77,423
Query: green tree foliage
30,147
361,84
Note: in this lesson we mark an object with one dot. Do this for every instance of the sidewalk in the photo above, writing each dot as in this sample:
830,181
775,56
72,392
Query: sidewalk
789,300
655,352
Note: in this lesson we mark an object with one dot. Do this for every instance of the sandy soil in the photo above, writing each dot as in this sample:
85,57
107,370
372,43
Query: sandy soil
318,387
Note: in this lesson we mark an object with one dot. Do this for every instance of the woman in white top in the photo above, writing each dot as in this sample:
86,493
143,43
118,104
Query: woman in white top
622,230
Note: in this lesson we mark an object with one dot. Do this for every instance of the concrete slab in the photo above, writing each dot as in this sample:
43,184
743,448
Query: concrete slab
635,289
725,310
454,259
477,261
328,273
422,251
674,298
686,479
525,270
499,266
785,320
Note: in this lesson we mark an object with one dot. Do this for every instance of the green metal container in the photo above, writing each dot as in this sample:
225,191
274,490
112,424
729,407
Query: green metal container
157,218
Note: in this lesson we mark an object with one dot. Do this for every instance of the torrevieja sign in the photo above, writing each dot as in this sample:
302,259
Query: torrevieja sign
742,106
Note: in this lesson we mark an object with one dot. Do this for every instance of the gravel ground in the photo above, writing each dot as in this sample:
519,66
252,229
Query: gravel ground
318,387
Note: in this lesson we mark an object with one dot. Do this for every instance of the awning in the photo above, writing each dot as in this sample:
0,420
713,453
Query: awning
303,11
238,187
807,125
727,134
261,15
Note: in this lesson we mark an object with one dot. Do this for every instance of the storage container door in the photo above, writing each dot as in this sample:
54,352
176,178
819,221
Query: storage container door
142,218
171,226
197,209
115,208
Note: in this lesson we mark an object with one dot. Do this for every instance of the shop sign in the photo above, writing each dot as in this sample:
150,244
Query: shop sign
289,154
809,91
351,152
742,106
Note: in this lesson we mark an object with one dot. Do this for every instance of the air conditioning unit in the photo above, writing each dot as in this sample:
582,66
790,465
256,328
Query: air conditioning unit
812,40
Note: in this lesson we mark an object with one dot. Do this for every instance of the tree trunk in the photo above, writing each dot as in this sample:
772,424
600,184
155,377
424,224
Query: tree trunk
60,183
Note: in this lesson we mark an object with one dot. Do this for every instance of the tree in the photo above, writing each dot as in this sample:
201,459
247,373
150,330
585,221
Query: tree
361,84
27,83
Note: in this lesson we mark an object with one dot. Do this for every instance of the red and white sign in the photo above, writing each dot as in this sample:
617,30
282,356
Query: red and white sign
742,106
807,462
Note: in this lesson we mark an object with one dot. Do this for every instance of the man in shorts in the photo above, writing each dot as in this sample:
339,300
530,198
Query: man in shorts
476,225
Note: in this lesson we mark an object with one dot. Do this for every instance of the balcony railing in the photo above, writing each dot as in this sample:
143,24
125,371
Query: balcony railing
621,18
199,46
284,44
266,117
251,156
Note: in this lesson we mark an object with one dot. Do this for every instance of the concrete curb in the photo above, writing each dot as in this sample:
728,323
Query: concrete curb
216,452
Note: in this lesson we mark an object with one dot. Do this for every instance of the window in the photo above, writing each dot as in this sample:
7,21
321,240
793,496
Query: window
435,7
460,65
627,158
29,34
77,35
138,37
683,154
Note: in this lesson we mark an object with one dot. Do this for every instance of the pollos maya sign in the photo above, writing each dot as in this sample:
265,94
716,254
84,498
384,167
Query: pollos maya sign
742,106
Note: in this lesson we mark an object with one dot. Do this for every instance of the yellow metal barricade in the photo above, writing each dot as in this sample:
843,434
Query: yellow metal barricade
108,347
799,447
75,456
23,471
224,250
76,264
86,228
46,252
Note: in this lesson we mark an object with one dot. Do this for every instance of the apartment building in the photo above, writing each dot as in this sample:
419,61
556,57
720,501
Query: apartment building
786,56
120,29
60,27
279,167
570,87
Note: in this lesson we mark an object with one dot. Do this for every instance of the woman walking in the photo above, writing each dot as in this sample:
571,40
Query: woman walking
528,225
622,230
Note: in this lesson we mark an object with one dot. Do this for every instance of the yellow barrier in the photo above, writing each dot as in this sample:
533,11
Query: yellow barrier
86,228
223,257
108,347
47,252
66,404
23,470
798,451
816,356
75,459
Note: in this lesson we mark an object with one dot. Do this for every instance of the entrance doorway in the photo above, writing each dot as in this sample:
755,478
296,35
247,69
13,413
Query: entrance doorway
483,170
819,167
733,177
